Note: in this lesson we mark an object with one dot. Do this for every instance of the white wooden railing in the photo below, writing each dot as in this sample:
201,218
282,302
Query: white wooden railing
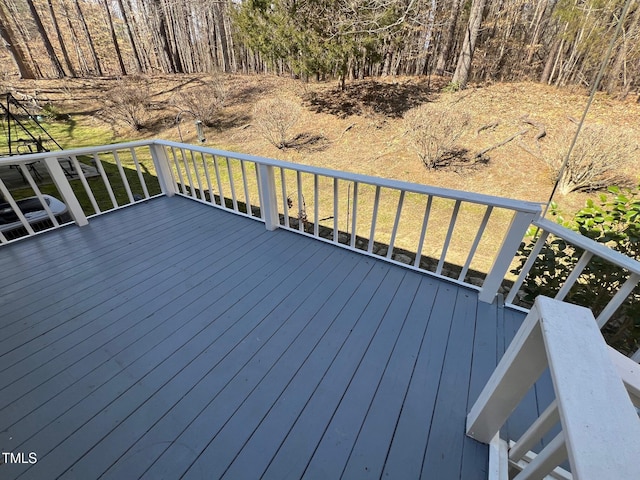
590,249
238,182
600,428
84,167
419,228
348,210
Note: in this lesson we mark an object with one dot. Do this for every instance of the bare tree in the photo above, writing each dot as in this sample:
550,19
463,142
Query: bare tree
203,102
448,37
85,29
55,62
63,46
461,75
128,102
134,47
274,119
434,132
10,41
114,38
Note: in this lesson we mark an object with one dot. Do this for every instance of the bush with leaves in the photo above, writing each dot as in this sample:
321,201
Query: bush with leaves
203,102
274,118
596,159
614,221
434,132
129,102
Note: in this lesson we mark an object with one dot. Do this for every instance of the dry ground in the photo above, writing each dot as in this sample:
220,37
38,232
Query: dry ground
361,128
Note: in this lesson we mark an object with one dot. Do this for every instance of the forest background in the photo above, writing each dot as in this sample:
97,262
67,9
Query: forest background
559,42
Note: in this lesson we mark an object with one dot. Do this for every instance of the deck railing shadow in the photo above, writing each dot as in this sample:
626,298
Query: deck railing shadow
470,239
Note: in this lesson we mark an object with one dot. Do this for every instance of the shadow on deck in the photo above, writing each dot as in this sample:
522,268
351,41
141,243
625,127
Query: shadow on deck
173,340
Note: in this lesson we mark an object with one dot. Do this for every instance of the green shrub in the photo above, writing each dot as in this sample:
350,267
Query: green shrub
614,221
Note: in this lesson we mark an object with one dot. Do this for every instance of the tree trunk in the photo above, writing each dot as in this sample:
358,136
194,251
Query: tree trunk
428,40
132,42
82,62
613,79
541,7
557,60
461,75
548,65
57,66
163,36
15,51
22,34
212,44
448,37
114,38
63,47
222,37
138,30
92,48
387,58
226,21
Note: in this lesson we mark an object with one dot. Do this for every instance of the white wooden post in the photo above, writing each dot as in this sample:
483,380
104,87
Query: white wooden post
268,202
549,458
498,459
163,169
520,222
600,424
522,364
600,427
535,432
65,190
629,372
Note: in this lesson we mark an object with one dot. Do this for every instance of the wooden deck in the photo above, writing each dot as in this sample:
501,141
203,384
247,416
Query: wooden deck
174,340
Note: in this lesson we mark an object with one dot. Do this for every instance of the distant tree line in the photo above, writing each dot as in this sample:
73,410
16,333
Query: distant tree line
558,42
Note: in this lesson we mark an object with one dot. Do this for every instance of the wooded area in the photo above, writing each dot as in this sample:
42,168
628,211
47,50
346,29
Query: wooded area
558,42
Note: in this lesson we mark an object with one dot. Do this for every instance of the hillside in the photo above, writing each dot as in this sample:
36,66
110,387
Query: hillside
360,129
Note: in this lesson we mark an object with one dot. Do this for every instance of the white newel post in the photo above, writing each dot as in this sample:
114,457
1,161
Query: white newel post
592,384
163,169
268,202
65,190
520,222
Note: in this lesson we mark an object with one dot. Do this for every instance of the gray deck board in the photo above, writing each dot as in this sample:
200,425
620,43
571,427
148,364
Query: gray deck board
277,353
408,446
446,435
368,455
173,340
485,358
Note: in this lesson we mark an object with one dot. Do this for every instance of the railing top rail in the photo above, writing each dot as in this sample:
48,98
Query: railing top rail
30,157
586,243
479,198
511,204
